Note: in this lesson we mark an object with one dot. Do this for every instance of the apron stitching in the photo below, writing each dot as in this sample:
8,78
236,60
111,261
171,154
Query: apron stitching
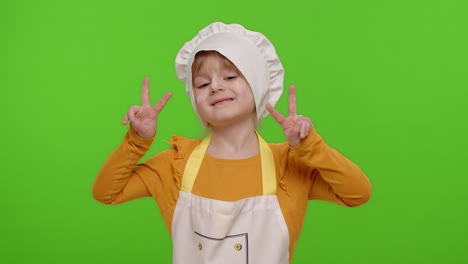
214,238
238,235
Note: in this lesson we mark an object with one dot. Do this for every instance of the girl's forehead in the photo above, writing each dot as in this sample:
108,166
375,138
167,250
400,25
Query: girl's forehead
207,64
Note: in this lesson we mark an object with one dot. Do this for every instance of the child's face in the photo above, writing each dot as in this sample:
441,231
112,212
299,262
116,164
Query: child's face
222,94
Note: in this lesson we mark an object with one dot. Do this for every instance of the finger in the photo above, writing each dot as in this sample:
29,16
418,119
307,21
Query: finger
296,129
145,100
301,121
305,128
275,114
132,111
125,120
292,101
158,107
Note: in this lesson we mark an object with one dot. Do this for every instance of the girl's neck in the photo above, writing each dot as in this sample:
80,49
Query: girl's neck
234,142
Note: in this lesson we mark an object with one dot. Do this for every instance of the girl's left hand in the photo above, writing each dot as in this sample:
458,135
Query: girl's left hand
295,127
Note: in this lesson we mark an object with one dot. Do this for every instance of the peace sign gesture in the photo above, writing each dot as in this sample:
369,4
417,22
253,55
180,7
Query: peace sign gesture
144,118
295,127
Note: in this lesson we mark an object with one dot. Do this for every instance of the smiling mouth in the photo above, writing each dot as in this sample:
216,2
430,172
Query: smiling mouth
222,101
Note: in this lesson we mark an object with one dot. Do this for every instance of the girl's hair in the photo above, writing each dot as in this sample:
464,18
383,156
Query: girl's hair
201,56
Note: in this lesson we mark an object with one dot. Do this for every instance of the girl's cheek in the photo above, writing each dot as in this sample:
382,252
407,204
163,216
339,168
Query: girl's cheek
198,99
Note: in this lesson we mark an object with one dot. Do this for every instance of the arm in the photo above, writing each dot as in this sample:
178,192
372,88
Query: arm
335,178
118,180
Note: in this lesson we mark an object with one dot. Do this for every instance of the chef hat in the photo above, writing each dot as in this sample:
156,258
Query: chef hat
251,52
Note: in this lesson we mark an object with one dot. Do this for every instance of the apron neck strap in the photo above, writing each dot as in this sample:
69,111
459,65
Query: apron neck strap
266,156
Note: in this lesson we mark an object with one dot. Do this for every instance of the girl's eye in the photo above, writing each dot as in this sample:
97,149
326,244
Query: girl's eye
231,77
203,85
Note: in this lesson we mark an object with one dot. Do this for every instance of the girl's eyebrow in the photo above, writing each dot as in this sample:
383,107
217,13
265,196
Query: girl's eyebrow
199,74
230,70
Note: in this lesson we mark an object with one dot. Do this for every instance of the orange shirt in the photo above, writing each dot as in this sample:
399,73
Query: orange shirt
310,170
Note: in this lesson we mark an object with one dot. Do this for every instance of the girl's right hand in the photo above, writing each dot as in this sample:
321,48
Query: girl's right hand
144,118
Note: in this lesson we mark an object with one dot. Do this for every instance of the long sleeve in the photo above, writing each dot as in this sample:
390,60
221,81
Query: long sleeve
335,178
117,181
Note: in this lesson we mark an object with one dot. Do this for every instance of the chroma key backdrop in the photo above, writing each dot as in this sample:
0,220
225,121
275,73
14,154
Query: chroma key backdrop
385,83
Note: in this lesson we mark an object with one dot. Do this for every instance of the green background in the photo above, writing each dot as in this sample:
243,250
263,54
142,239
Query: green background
385,83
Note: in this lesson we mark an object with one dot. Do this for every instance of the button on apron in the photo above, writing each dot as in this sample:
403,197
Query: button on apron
237,247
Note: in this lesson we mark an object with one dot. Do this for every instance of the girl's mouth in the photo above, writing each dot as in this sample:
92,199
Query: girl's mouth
221,101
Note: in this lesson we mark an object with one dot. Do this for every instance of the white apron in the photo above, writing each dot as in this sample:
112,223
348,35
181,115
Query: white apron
248,231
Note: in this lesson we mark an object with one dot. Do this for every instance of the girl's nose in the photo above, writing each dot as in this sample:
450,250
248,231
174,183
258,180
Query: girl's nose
216,87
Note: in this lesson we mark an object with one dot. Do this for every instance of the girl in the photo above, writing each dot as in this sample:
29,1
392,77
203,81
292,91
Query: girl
231,197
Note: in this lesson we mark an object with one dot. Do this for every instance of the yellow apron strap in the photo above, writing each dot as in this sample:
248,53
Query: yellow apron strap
193,165
195,160
268,168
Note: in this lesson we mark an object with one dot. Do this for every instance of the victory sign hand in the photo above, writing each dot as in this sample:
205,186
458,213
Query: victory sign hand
295,127
144,118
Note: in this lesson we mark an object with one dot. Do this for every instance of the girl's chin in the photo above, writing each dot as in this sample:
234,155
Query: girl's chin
229,120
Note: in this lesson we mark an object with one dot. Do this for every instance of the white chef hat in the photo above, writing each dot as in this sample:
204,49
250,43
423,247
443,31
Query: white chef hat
251,52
